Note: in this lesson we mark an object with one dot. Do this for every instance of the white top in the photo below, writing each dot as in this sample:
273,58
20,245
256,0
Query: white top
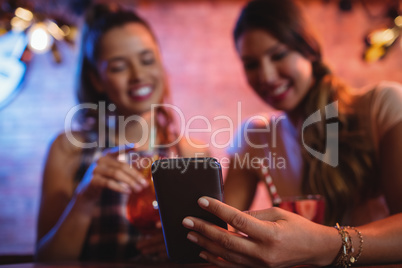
378,108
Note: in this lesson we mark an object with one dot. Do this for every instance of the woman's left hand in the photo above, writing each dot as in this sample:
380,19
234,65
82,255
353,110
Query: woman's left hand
273,238
153,245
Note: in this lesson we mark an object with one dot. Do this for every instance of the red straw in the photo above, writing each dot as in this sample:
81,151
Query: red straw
271,186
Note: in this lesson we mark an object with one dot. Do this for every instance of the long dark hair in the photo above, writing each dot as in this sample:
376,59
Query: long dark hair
99,19
353,180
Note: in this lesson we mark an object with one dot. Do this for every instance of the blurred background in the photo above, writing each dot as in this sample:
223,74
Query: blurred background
360,41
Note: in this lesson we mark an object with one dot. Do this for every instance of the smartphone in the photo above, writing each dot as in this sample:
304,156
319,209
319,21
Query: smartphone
179,183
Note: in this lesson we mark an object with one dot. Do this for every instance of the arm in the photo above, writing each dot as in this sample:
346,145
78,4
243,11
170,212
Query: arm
391,168
240,186
386,119
281,239
65,212
60,239
242,178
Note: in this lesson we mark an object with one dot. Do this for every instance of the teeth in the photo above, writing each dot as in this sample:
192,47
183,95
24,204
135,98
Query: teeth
280,90
141,91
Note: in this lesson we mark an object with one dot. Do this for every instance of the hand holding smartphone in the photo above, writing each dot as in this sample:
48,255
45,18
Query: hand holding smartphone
179,183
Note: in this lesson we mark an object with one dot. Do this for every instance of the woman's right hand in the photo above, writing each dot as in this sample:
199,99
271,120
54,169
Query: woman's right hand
272,238
110,173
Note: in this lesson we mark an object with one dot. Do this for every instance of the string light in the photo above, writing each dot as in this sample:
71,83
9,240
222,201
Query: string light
42,32
24,33
39,39
379,41
24,14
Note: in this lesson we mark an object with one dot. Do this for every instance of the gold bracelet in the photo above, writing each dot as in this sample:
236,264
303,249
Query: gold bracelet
359,234
343,258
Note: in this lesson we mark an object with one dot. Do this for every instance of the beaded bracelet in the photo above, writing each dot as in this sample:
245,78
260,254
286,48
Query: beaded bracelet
359,234
345,256
342,259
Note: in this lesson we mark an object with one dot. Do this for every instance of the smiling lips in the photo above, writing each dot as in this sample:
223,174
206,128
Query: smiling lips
141,93
279,90
278,93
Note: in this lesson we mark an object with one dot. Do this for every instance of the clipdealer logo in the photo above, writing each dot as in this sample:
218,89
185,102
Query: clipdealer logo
331,153
266,125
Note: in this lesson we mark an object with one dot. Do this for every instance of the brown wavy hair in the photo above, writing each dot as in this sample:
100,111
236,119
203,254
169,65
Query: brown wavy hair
353,180
99,19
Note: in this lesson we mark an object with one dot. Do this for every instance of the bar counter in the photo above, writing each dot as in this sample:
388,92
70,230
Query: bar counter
137,265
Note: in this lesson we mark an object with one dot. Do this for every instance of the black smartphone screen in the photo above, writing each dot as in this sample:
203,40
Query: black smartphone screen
179,183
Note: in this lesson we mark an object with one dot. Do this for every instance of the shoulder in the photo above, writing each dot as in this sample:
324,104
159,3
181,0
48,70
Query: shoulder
388,91
256,131
382,98
385,91
62,163
68,143
387,101
384,102
64,154
390,85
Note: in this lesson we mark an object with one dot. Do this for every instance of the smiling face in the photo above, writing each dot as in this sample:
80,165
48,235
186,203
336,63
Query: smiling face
129,67
280,76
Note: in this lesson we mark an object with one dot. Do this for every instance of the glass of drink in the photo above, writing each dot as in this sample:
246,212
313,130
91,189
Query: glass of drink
142,208
311,207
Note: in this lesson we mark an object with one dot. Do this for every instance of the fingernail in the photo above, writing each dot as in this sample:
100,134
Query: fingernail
127,191
188,223
203,202
202,255
137,188
144,182
126,188
192,238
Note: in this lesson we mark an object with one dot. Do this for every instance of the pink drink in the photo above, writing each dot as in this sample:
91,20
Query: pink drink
142,208
311,207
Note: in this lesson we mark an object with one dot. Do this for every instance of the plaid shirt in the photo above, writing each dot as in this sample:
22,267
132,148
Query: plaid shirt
110,237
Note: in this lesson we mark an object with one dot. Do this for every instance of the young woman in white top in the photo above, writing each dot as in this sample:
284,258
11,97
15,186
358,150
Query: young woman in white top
355,165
